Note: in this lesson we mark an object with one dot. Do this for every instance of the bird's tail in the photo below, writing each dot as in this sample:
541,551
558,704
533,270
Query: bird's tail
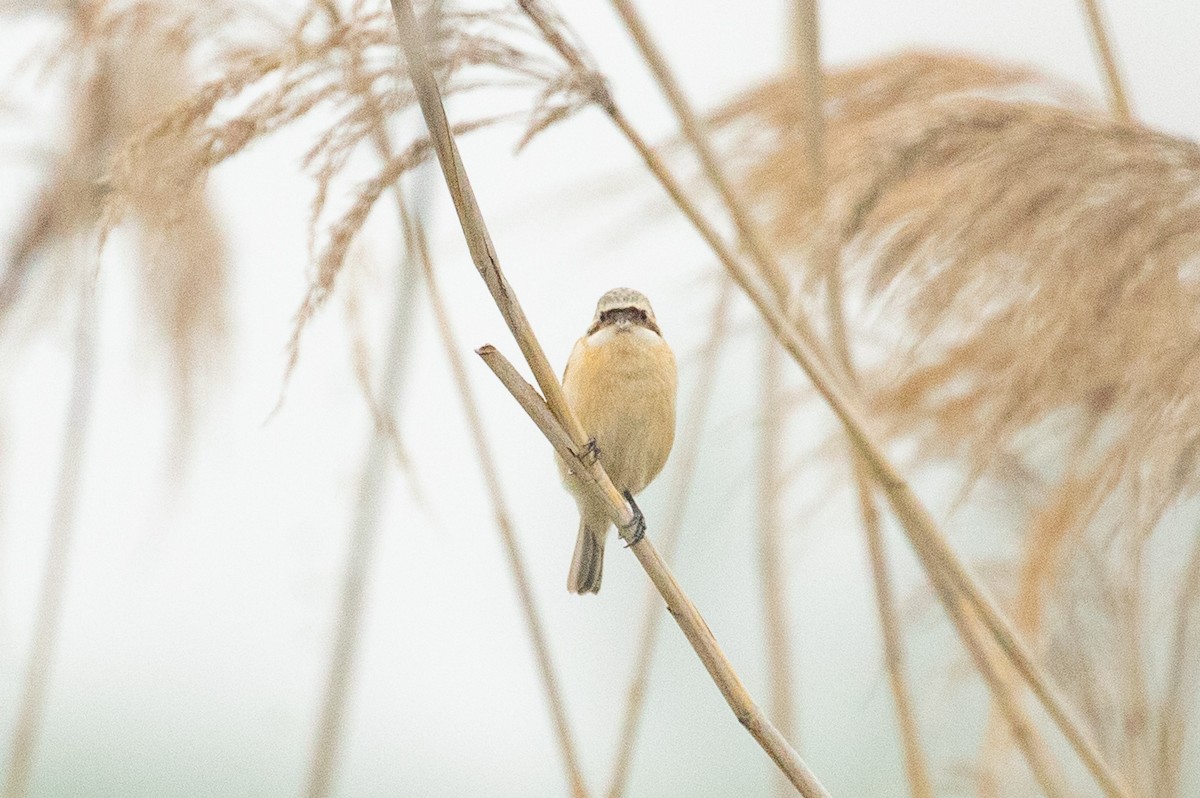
587,566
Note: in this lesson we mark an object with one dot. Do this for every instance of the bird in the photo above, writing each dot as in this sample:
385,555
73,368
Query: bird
620,382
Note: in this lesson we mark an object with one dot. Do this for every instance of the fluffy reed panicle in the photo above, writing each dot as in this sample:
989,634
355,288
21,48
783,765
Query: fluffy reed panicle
346,66
1038,260
1024,270
122,64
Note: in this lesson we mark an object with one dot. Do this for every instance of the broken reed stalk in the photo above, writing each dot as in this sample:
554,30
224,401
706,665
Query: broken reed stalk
776,626
927,540
812,85
48,617
678,604
571,442
512,547
1117,98
686,456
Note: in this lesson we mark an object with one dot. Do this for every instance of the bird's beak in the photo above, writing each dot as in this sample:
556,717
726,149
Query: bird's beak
624,324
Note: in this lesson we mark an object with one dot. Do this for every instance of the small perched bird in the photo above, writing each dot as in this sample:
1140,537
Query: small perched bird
620,382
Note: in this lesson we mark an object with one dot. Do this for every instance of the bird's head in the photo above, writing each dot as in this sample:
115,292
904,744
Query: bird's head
623,309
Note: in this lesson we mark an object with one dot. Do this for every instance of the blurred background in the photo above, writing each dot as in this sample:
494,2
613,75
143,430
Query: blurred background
218,489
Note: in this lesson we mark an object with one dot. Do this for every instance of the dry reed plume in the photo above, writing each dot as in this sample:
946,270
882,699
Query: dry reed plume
122,64
345,67
1035,262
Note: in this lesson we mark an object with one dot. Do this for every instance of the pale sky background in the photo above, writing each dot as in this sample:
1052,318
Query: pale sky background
196,632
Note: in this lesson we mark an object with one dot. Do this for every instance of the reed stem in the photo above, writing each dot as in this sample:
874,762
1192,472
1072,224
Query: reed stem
48,617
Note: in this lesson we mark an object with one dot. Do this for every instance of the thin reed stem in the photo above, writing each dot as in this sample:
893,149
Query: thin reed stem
1138,744
1117,98
364,531
48,617
995,674
930,545
776,626
686,457
916,766
479,241
512,547
812,86
571,442
1181,679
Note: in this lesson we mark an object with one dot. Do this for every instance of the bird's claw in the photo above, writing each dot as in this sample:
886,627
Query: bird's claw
590,453
638,524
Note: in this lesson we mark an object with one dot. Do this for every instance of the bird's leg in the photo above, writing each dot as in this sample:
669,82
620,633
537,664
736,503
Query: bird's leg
639,521
590,453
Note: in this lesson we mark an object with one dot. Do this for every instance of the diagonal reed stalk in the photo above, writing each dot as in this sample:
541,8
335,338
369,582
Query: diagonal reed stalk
1117,98
693,132
512,547
552,414
916,766
48,618
686,457
927,540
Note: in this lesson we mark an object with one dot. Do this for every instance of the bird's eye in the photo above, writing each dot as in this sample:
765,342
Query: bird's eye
642,315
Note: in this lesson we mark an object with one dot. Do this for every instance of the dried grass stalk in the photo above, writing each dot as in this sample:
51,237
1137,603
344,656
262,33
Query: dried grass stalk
32,706
777,629
1117,98
685,613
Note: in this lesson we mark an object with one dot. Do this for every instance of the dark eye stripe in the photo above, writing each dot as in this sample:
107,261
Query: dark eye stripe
635,315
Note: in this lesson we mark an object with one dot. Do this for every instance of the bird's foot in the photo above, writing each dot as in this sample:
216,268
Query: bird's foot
590,453
638,524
